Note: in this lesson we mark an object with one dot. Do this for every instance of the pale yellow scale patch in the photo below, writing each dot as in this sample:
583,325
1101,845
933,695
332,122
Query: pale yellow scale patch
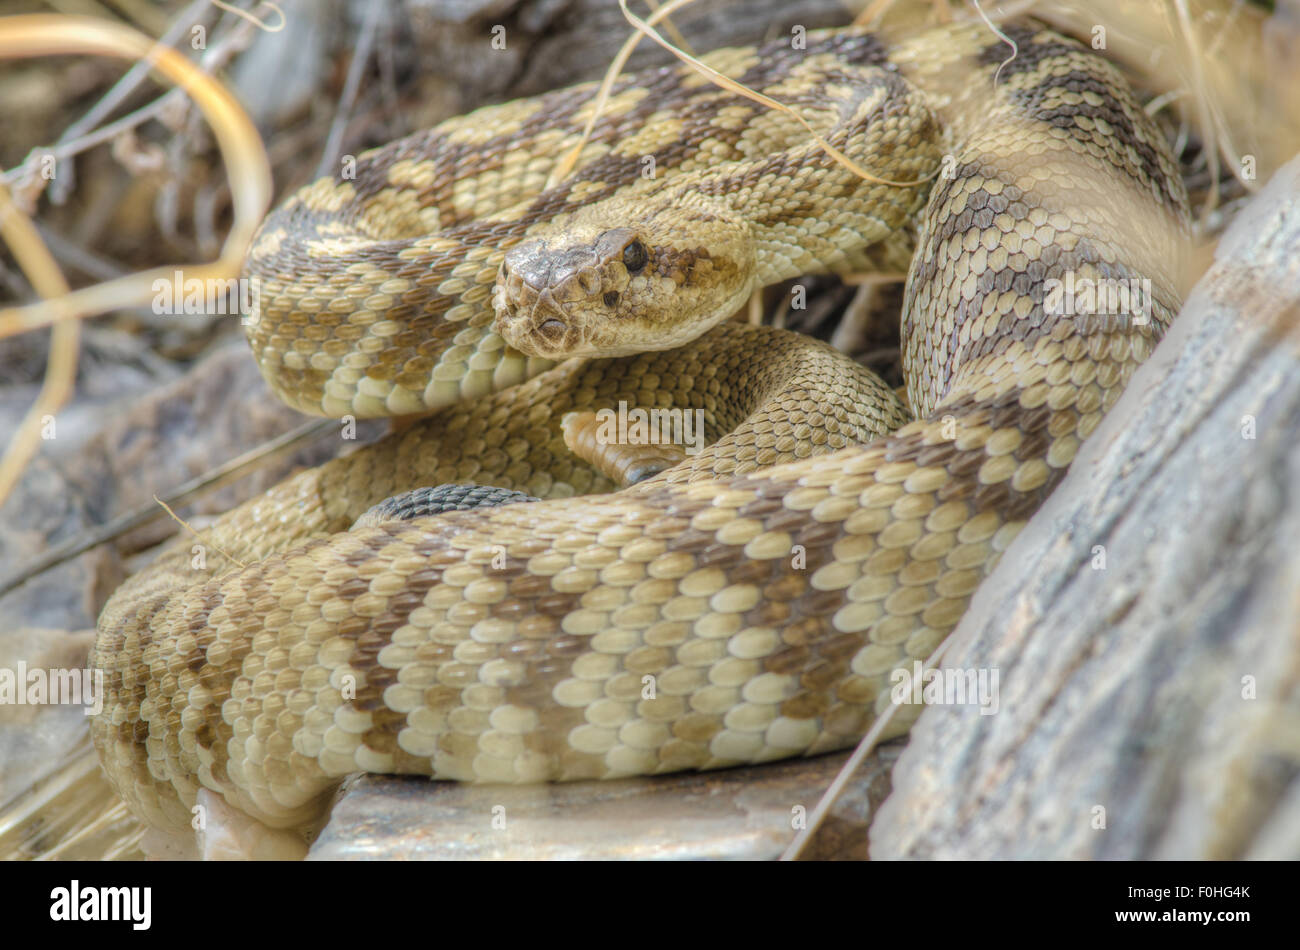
592,739
269,243
749,717
729,747
326,196
430,247
583,190
619,104
660,129
875,659
733,117
730,62
401,214
797,85
501,122
786,733
514,213
411,173
342,247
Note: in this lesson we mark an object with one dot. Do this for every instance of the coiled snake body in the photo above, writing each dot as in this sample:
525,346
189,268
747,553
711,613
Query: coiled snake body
746,605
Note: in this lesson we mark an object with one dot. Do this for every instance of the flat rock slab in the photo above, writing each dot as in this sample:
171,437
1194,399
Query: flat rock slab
738,814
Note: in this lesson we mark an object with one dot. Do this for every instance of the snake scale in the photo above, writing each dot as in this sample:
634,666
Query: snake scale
746,605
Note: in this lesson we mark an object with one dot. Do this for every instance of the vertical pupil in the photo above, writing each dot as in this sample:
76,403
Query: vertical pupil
634,257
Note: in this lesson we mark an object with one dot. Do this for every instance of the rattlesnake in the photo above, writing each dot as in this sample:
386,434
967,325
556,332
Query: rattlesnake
746,605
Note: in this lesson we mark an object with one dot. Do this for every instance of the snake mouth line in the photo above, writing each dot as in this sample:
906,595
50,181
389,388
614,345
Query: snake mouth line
533,321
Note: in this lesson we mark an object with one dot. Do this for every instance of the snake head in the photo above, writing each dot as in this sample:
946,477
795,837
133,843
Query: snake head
587,289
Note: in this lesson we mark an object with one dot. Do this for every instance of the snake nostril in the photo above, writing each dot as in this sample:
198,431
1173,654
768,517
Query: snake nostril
611,298
550,327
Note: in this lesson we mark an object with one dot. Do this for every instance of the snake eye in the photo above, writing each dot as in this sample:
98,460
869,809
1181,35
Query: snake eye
635,257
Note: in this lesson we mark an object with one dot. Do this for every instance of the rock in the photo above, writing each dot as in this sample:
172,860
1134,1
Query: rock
742,814
123,440
488,50
1145,624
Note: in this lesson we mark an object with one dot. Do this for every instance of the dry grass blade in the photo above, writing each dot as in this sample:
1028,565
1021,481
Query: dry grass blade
860,753
1213,126
250,174
871,14
377,11
566,165
186,525
68,806
726,82
208,481
259,23
60,188
671,27
1015,48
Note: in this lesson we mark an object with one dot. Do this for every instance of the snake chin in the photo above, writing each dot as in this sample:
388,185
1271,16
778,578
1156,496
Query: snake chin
590,290
548,301
537,327
576,294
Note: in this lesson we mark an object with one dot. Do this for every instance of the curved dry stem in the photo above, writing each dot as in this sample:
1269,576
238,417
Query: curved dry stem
671,27
846,772
36,261
645,27
260,24
566,165
250,175
726,82
241,148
